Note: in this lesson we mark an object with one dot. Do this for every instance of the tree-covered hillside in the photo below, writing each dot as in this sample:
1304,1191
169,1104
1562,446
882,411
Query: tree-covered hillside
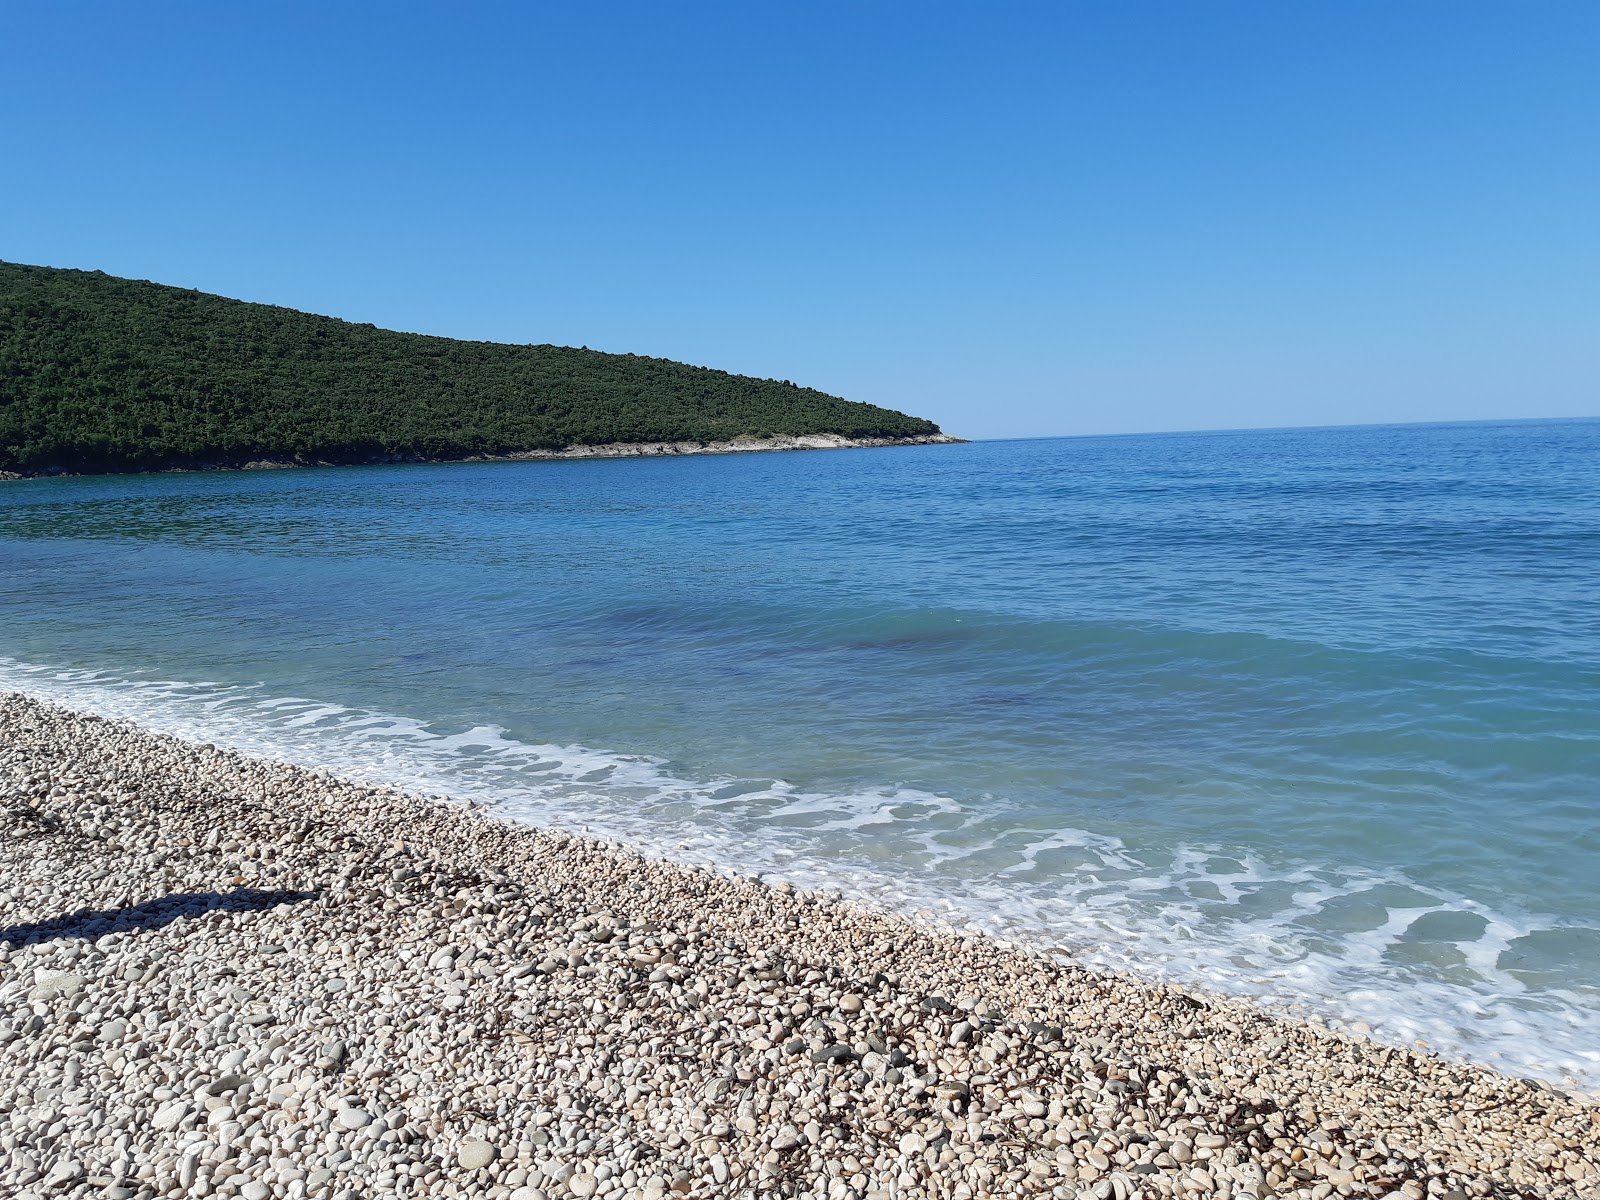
105,374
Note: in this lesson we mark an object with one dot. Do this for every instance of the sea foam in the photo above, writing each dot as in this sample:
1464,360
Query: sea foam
1413,962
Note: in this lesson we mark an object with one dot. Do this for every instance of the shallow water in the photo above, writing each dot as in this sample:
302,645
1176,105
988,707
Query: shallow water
1307,714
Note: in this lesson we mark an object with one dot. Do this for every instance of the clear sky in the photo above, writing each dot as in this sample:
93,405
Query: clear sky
1015,219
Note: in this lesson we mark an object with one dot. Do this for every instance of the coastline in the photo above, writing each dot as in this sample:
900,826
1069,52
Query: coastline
742,445
242,971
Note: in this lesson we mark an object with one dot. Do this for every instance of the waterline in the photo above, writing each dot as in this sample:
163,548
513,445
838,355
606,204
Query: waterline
1359,948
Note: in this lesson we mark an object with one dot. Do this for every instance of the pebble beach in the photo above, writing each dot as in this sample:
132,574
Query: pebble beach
223,976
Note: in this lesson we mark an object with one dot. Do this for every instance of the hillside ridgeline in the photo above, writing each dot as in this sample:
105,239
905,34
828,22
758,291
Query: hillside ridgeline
101,374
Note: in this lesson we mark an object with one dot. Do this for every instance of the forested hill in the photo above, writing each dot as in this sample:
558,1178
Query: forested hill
105,374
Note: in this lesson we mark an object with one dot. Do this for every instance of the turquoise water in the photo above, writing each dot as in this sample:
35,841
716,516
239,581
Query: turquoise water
1305,714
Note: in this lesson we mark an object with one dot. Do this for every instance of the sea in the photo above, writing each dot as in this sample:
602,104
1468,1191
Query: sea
1307,715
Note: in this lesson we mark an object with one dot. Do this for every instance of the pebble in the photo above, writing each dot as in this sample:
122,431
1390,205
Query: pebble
63,1173
475,1154
382,994
50,985
169,1116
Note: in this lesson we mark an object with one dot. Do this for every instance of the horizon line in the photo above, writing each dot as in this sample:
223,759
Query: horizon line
1056,437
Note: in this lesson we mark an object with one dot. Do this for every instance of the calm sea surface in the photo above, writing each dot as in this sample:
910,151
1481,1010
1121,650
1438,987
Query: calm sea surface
1307,714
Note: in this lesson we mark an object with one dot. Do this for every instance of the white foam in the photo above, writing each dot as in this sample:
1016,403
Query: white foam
1241,926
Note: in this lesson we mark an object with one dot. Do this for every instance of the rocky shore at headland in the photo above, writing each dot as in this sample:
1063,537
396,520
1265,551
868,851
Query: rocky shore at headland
743,445
221,976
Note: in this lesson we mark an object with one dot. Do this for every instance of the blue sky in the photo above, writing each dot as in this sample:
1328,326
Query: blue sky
1015,219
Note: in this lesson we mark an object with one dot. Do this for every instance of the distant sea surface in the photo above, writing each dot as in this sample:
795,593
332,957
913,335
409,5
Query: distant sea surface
1311,715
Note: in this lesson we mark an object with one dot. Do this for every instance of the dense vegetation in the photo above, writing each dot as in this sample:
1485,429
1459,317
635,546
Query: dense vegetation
105,374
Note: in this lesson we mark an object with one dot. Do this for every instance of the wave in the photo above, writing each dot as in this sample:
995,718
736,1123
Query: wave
1363,950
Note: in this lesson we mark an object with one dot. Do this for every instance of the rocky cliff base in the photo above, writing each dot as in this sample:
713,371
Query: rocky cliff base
809,441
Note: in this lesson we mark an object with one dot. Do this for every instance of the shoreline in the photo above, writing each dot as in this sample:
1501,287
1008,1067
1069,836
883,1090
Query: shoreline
740,445
1066,917
444,988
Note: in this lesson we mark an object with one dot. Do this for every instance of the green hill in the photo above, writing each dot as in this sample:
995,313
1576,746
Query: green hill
105,374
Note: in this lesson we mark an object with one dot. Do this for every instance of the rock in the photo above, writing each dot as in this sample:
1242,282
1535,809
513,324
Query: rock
718,1088
353,1118
51,985
832,1054
912,1143
850,1003
169,1116
63,1173
476,1154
